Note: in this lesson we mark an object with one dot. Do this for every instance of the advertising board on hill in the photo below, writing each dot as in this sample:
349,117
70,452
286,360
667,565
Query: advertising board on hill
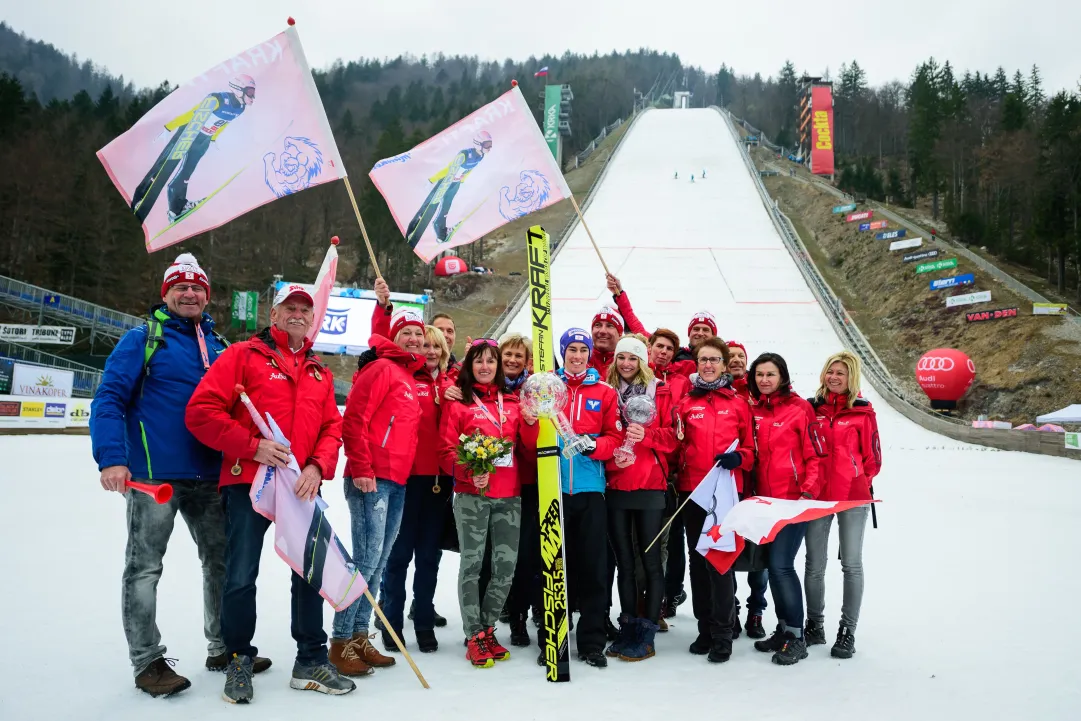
978,316
921,255
982,296
952,281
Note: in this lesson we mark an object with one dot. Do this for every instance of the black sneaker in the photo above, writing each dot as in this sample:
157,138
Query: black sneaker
793,651
845,645
701,645
754,627
504,615
594,658
440,622
426,641
772,644
610,629
814,633
668,609
720,649
680,598
519,632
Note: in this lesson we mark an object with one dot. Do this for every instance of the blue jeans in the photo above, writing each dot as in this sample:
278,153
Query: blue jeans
756,602
783,581
375,518
244,531
419,534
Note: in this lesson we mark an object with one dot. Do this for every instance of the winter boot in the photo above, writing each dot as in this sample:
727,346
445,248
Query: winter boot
754,627
610,629
477,652
662,625
737,627
641,646
772,644
681,597
238,673
379,619
159,679
519,631
440,622
668,609
219,662
388,641
814,633
593,658
701,645
504,615
845,645
627,635
363,645
321,677
426,641
497,650
720,649
344,657
793,651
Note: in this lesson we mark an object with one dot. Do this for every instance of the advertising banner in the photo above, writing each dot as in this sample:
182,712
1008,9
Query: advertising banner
891,235
844,208
978,316
1048,309
922,255
945,264
1073,441
245,309
875,225
41,381
58,335
7,372
822,130
862,215
553,96
23,412
910,243
952,281
968,299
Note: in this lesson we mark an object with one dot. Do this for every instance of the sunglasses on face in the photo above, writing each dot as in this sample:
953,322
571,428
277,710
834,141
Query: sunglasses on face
487,145
484,341
250,92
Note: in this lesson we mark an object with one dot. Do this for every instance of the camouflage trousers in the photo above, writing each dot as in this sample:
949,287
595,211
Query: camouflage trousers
479,518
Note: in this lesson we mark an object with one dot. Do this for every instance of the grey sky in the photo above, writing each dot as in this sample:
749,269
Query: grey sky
148,42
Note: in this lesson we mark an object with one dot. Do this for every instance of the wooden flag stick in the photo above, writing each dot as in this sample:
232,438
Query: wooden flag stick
665,528
371,254
590,234
393,633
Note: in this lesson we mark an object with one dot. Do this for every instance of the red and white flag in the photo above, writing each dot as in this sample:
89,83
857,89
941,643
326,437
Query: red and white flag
324,283
758,519
716,493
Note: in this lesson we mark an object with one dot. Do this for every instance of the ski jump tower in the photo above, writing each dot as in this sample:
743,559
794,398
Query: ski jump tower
816,129
681,99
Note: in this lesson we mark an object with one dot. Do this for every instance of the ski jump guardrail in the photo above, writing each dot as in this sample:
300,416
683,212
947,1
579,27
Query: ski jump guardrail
34,299
876,371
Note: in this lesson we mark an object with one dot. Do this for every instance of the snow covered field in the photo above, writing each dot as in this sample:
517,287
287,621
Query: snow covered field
970,578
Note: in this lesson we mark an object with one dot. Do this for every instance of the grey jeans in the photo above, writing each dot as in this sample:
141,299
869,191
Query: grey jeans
149,527
852,524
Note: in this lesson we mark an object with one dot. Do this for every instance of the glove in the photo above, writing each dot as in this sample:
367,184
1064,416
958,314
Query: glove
728,461
590,446
808,496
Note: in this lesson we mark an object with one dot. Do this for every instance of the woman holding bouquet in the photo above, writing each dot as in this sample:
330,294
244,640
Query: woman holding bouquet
481,430
635,499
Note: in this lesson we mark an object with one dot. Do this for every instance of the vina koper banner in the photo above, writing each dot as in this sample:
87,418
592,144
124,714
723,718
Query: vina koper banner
248,131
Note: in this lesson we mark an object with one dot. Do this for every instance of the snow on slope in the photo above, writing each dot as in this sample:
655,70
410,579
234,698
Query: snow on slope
970,579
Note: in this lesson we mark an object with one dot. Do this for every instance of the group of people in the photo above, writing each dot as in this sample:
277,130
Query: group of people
168,410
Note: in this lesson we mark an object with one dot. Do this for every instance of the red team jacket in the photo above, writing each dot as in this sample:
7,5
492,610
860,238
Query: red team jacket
383,415
649,472
788,446
296,389
463,417
853,452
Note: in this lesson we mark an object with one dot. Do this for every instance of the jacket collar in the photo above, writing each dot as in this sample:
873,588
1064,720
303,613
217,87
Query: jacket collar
592,377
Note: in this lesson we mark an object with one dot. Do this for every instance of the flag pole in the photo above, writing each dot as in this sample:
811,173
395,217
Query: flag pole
590,234
665,527
394,634
371,253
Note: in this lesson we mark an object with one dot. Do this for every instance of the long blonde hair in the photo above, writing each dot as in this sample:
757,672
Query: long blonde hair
643,377
851,362
435,336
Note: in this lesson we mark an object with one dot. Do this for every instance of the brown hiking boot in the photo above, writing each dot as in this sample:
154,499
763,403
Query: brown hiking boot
662,626
219,662
158,679
368,652
344,657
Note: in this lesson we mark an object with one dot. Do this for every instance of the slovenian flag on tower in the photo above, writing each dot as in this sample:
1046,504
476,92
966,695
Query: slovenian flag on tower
543,72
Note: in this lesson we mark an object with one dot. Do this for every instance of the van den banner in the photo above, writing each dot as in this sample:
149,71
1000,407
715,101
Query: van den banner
891,235
862,215
922,255
978,316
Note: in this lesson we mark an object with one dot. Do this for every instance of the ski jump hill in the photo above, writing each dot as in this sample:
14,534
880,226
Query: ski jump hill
974,558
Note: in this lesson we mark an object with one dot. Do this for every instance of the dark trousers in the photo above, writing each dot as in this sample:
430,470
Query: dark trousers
756,602
676,570
526,590
783,579
712,594
623,525
585,534
178,187
418,536
244,531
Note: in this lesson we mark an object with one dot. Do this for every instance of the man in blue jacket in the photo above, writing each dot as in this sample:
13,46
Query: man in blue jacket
138,432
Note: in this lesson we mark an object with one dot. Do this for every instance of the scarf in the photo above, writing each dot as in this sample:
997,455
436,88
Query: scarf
511,385
723,381
626,391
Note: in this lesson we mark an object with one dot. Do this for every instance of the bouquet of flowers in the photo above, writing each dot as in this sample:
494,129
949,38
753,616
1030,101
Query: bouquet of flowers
479,453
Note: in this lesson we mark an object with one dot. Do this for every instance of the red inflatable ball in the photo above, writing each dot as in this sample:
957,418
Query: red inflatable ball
945,374
450,265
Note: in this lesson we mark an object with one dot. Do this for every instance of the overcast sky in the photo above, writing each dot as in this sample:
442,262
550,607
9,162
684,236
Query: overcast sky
148,42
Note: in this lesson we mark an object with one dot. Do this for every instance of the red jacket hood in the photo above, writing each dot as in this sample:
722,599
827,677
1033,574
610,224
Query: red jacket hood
837,402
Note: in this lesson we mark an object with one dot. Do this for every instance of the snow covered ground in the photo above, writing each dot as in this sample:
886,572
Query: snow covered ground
969,579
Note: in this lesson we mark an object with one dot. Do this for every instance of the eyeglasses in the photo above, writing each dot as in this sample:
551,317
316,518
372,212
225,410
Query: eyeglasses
184,288
484,341
710,360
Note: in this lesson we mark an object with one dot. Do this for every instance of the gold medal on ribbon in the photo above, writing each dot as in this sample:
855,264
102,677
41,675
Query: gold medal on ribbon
317,376
235,470
436,489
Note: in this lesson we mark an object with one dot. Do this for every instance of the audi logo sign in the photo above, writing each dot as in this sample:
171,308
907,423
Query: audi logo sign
931,363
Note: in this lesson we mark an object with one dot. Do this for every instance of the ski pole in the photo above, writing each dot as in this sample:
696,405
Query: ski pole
874,514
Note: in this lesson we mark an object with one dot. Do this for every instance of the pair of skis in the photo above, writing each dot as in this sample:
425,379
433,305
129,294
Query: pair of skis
553,573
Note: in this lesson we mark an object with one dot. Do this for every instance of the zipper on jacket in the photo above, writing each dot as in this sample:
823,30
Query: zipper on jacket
855,468
146,449
387,434
795,473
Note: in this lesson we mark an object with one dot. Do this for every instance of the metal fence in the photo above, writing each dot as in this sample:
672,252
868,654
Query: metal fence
87,378
46,303
605,131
